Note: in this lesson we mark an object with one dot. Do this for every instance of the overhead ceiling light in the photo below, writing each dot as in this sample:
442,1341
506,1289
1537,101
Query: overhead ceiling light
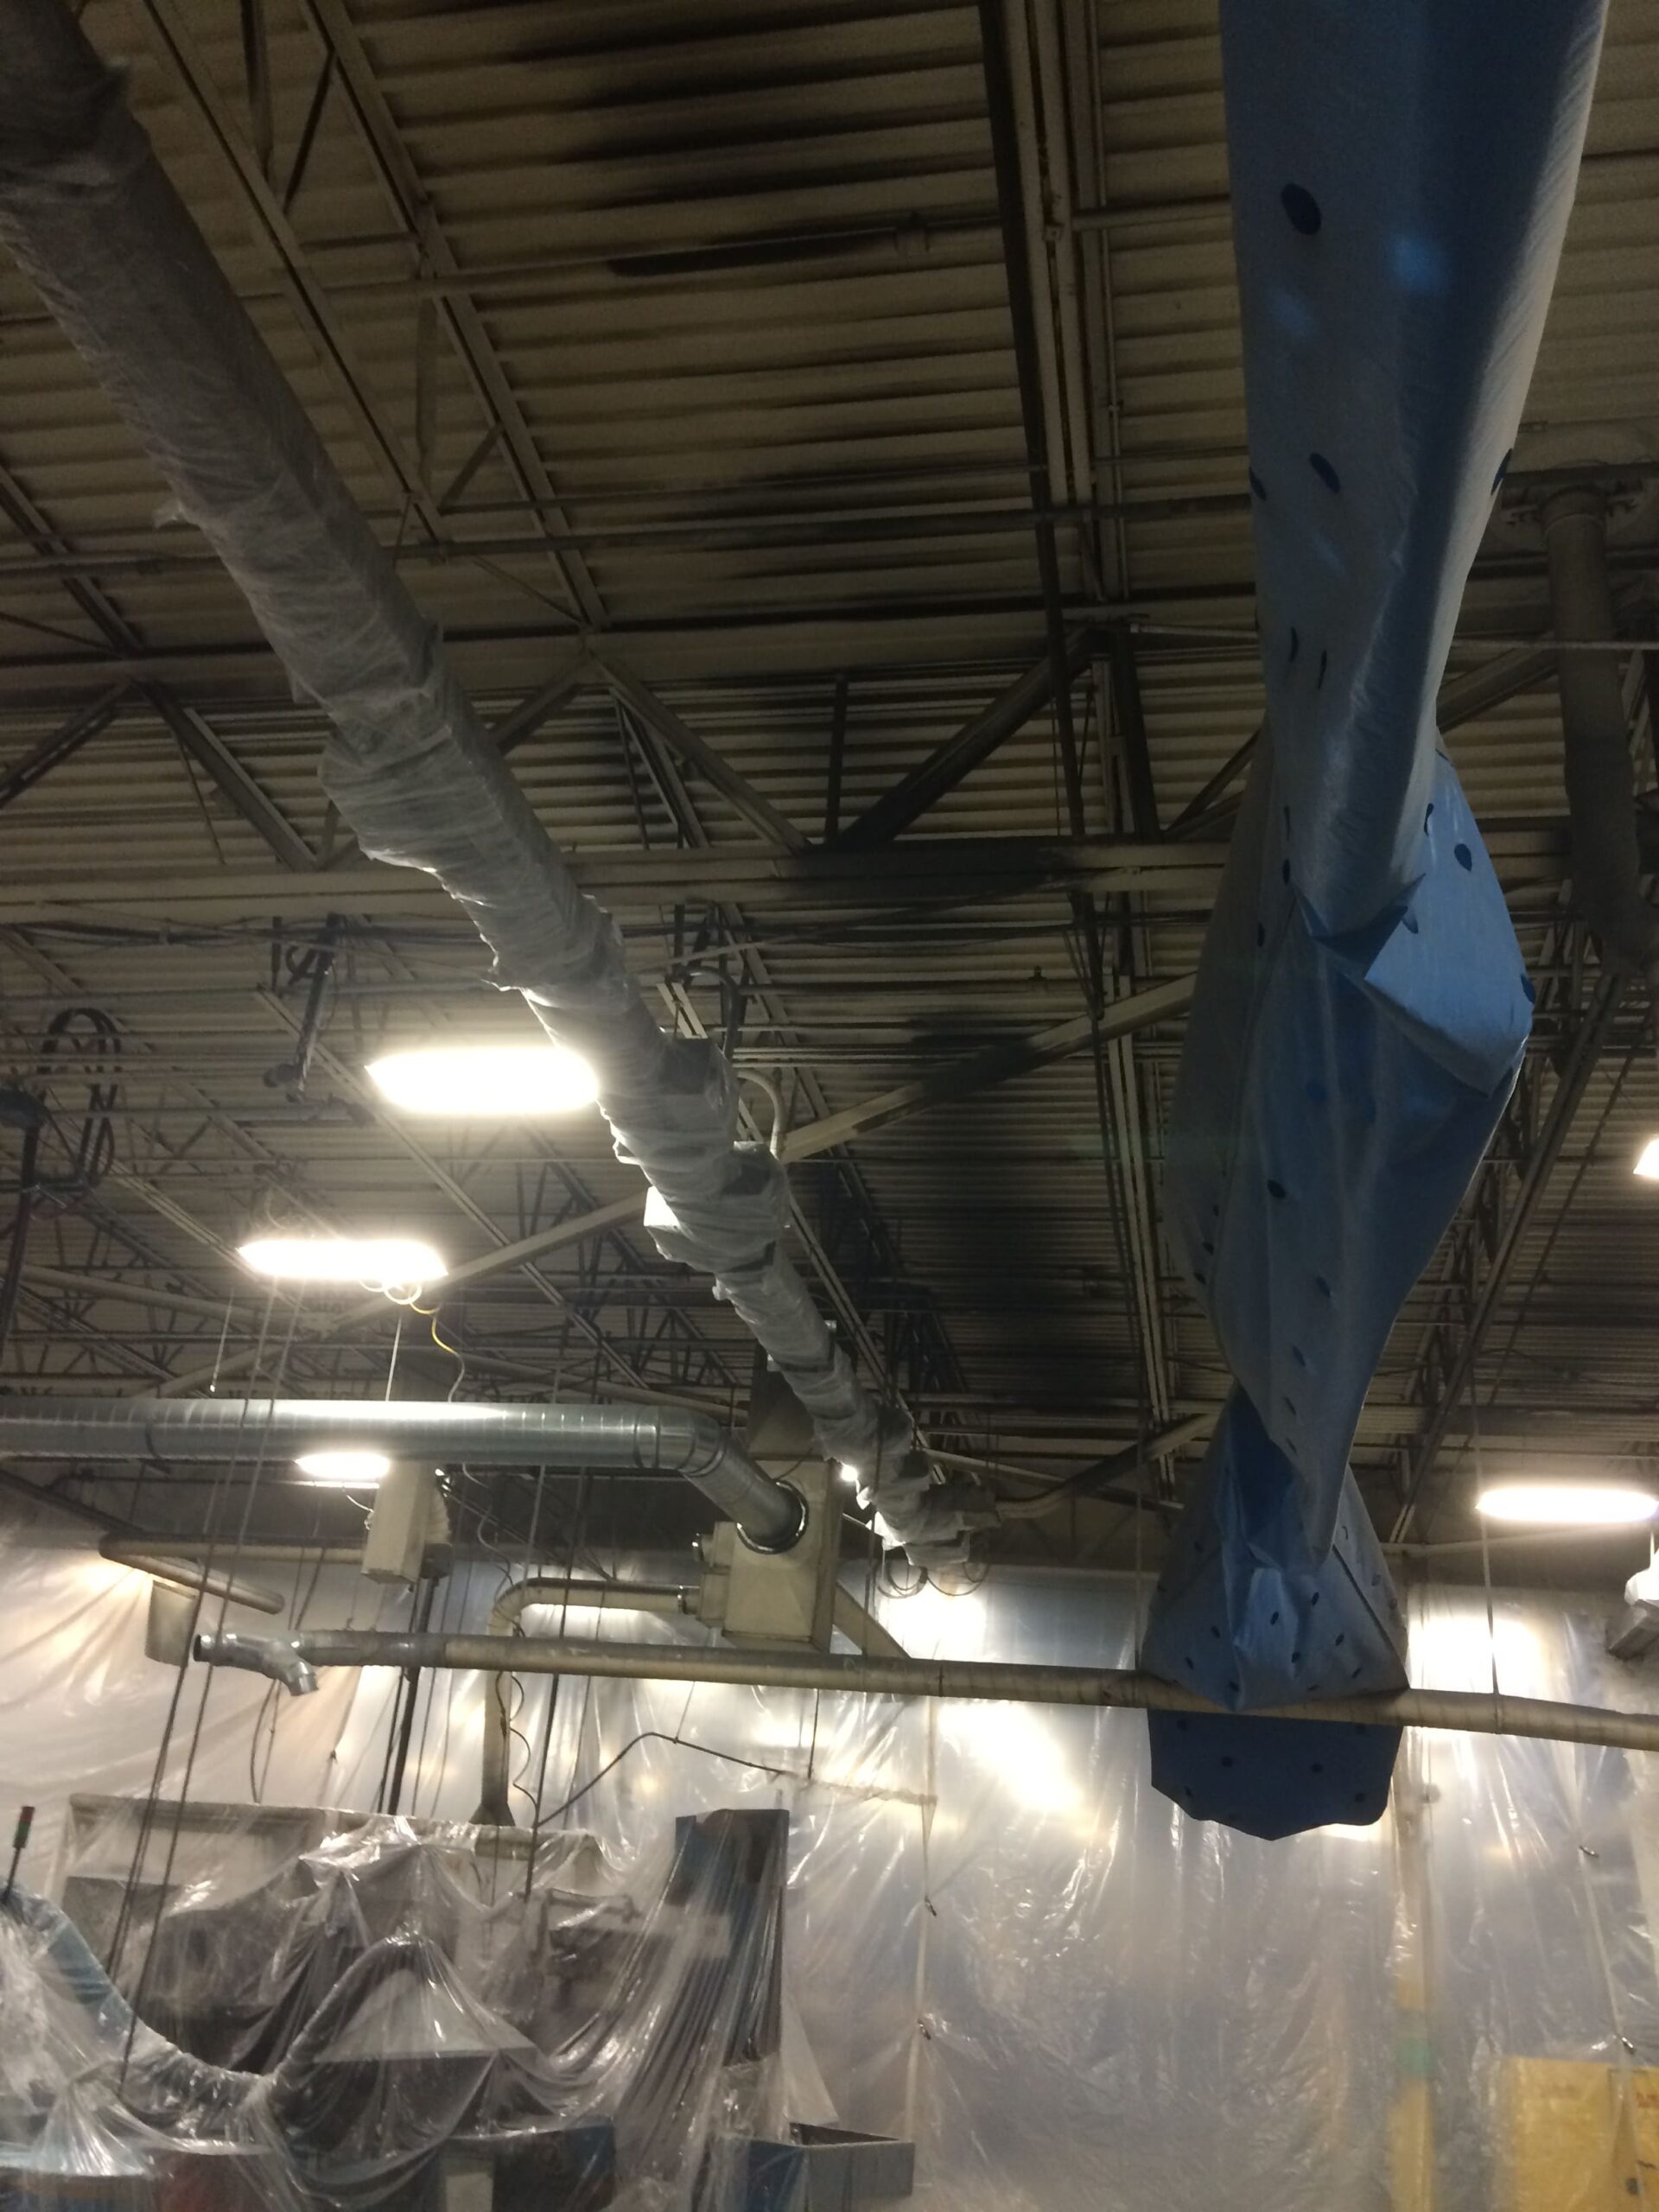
1647,1165
1567,1505
403,1261
343,1466
505,1082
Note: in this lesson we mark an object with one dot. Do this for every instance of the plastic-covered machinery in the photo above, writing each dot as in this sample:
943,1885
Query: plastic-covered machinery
307,2010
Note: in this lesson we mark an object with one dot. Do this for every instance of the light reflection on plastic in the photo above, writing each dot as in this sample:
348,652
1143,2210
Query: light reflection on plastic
933,1624
1454,1650
1019,1747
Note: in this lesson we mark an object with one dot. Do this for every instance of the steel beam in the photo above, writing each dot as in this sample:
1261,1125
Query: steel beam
412,205
188,727
951,763
1531,855
1576,1073
62,746
736,788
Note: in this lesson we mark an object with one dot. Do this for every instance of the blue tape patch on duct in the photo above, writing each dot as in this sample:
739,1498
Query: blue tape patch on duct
1401,182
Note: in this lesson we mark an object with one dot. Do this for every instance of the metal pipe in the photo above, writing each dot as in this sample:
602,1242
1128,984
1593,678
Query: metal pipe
650,1439
495,1804
1471,1712
163,1566
273,1656
89,215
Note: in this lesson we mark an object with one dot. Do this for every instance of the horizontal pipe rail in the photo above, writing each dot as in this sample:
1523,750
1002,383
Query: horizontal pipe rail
1475,1712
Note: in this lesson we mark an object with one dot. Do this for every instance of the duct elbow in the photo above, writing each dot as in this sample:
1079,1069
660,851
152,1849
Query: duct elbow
277,1657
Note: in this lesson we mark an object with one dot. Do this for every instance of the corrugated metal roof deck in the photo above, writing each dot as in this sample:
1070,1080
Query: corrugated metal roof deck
685,332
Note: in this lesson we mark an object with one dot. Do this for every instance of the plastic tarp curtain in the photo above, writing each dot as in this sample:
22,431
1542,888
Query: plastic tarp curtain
1401,181
1000,1939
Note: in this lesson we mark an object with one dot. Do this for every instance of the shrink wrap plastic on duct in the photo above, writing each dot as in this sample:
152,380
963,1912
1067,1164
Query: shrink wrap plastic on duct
1401,179
401,1996
89,214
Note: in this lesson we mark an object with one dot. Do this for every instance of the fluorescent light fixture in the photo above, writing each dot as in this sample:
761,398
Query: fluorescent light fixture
504,1082
403,1261
348,1464
1647,1165
1567,1505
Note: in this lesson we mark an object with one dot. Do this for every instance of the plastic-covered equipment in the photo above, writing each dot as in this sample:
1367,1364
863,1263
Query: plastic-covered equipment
1401,182
512,2015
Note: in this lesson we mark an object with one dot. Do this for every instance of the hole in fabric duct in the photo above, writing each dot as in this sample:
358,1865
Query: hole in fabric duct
1321,1286
1322,469
1226,1761
1257,485
1287,810
1261,933
1215,1632
1324,662
1199,1277
1502,468
1527,987
1359,1796
1343,1532
1180,1727
1302,208
1272,1620
1314,1599
1317,1093
1317,1767
1290,1408
1341,1637
1295,1658
1215,1213
1285,871
1296,647
1275,1190
1411,923
1209,1247
1428,814
1462,856
1298,1355
1355,1675
1189,1663
1232,1689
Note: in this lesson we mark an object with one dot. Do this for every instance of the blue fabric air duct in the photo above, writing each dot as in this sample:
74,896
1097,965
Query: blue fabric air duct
1401,181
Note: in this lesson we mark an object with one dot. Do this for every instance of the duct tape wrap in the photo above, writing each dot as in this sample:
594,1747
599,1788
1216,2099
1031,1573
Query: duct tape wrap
89,215
1401,179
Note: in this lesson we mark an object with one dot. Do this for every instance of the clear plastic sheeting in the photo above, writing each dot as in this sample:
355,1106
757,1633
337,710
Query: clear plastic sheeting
420,1999
999,1940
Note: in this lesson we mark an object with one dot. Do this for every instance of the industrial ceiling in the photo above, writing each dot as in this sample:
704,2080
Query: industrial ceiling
764,399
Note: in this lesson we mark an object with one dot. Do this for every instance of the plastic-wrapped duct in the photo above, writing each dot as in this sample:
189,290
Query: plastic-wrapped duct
1401,182
87,211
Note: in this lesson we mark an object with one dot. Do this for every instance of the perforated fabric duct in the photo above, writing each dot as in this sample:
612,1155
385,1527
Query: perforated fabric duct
1401,181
